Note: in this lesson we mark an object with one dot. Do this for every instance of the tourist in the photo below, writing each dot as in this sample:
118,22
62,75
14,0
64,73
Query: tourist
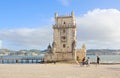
83,61
88,61
54,62
98,60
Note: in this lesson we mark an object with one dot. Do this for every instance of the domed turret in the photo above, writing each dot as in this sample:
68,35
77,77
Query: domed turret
83,46
72,13
56,15
49,47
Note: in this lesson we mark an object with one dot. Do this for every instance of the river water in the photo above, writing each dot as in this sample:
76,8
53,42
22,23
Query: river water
105,58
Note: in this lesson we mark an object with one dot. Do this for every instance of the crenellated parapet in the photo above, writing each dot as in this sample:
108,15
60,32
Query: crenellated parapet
64,26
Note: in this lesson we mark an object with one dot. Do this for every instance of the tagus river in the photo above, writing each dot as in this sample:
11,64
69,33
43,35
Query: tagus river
105,58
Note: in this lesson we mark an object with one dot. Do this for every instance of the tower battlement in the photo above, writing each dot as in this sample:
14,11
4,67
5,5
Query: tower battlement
64,16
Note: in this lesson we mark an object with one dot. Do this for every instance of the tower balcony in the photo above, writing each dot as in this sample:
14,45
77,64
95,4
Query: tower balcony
64,26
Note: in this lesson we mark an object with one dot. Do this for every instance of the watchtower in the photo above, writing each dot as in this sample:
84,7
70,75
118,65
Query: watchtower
64,37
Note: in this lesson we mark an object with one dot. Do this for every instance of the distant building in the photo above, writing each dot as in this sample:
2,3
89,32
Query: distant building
64,40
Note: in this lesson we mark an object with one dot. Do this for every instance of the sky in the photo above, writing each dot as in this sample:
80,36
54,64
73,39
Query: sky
27,24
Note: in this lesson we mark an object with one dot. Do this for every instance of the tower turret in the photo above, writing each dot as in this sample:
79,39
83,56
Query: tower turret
49,49
72,14
56,15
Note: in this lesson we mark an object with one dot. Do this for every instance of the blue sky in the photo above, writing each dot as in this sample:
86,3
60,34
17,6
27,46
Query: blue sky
23,22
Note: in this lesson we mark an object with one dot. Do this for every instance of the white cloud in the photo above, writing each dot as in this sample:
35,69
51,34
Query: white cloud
65,2
27,37
100,28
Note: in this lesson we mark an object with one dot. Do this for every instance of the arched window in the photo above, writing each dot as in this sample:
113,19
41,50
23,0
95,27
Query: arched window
63,37
64,22
63,30
64,45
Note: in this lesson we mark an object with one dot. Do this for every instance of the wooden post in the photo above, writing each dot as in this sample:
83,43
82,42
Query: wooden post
12,60
36,60
16,61
27,60
7,60
21,60
32,60
3,61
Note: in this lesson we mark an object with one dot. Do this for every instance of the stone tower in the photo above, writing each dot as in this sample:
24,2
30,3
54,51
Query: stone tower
64,37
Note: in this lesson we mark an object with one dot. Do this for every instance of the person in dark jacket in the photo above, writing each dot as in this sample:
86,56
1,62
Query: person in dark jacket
83,61
98,60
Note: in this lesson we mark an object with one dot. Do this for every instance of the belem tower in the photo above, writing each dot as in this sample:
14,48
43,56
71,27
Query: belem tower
63,47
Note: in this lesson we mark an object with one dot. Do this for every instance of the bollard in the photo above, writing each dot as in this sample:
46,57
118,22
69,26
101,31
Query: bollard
2,61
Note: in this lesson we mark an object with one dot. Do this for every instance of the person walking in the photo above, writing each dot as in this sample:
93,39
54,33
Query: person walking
98,60
88,61
83,61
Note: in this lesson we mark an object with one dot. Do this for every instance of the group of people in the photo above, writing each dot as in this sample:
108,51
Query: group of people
86,61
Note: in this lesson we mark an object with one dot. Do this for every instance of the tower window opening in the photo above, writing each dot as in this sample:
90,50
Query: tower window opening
64,22
64,45
63,30
63,37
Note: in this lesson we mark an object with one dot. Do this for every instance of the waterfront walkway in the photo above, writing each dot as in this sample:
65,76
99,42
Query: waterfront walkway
21,60
58,71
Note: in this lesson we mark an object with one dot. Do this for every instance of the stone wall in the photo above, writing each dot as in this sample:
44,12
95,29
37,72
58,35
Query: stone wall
49,57
63,56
